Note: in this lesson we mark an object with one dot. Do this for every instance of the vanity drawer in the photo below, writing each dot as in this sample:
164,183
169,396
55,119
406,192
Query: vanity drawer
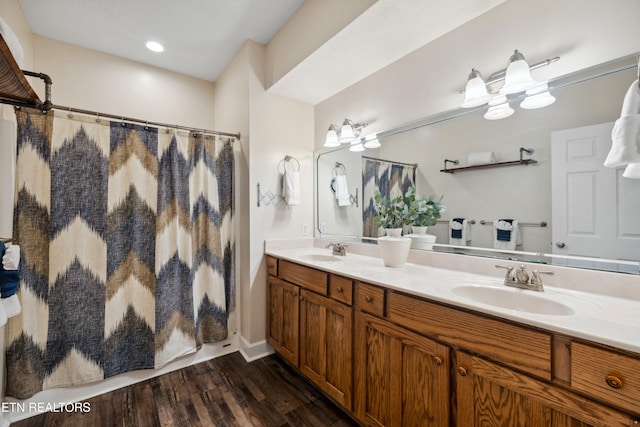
517,346
606,375
310,278
341,289
272,266
370,298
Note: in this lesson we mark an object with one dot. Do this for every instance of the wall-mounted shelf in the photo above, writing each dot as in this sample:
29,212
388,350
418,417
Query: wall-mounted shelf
521,162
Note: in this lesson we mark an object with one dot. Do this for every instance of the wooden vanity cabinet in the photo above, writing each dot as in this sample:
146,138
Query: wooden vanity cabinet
488,394
402,378
310,324
393,359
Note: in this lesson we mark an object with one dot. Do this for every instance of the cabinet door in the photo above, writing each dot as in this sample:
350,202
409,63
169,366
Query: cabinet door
489,394
282,321
326,341
402,379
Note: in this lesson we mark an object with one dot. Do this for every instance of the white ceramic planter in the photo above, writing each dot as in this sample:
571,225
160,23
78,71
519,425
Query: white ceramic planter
394,250
422,241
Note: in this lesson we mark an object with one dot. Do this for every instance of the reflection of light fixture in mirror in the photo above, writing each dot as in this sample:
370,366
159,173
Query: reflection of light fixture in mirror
332,137
538,97
371,141
475,93
518,75
499,108
356,145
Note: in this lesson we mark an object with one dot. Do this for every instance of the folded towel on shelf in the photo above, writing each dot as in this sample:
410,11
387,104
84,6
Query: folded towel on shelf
625,136
341,188
481,158
291,187
459,233
506,234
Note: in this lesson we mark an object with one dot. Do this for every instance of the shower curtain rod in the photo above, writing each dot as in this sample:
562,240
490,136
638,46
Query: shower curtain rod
415,165
145,122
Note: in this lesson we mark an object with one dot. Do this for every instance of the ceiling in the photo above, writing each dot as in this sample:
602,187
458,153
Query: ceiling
202,36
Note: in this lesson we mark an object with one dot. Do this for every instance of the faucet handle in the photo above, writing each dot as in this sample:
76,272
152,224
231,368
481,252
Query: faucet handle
535,277
508,273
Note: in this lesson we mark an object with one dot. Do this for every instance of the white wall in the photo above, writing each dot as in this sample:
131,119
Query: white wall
272,127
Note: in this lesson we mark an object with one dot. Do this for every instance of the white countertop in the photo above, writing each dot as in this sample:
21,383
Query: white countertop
605,319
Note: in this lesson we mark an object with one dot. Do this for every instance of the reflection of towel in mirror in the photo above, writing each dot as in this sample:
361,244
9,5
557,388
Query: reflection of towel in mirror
625,136
291,187
459,233
506,234
342,190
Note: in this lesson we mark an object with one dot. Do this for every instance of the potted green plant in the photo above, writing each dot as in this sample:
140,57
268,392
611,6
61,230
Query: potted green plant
422,212
392,214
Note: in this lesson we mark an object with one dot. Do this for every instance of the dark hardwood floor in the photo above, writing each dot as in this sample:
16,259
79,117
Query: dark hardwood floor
226,391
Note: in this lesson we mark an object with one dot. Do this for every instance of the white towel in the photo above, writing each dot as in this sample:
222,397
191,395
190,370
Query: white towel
291,187
625,136
342,190
514,238
465,232
481,158
632,171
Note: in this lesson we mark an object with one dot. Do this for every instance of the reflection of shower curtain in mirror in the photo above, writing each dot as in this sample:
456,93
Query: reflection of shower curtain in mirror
391,179
126,237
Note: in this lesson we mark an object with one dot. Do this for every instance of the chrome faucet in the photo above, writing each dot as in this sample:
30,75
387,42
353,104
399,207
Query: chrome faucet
338,248
519,278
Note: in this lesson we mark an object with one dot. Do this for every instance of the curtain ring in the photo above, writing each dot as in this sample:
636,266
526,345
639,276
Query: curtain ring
97,117
69,115
146,125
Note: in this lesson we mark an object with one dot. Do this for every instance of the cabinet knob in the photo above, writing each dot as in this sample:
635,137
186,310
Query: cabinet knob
462,371
437,360
368,299
339,289
614,382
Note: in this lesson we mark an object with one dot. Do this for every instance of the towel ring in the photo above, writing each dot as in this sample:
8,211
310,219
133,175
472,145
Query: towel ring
337,168
286,159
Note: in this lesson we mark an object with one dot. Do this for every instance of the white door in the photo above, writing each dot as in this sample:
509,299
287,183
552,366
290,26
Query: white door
595,211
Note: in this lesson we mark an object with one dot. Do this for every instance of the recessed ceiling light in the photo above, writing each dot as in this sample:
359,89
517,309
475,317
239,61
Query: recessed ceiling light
154,46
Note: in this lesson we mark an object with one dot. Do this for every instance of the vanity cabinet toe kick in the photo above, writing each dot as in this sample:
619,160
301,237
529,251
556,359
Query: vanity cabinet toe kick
388,358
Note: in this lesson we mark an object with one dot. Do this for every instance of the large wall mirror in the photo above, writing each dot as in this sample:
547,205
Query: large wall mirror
571,210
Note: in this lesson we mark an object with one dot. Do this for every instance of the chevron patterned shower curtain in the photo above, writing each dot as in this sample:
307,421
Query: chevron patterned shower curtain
127,249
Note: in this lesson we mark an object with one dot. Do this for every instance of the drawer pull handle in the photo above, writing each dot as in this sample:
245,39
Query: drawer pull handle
339,289
368,299
437,360
614,382
462,372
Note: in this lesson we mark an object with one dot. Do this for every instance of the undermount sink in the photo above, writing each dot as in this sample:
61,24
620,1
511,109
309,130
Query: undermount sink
321,258
513,299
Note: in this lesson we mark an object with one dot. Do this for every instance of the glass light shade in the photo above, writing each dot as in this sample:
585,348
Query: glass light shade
371,141
499,108
356,146
475,93
332,138
346,133
154,46
518,78
538,97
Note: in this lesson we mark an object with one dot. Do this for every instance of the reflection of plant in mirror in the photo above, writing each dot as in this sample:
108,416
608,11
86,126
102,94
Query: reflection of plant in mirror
391,214
423,212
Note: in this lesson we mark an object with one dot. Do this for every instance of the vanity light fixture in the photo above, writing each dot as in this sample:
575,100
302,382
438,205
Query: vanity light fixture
371,141
538,97
518,75
356,146
332,137
515,79
348,133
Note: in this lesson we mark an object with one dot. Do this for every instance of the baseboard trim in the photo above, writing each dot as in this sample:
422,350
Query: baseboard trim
254,351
